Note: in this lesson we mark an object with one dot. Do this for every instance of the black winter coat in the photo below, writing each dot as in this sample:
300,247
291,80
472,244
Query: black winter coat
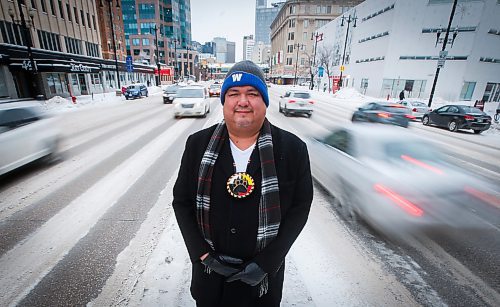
234,221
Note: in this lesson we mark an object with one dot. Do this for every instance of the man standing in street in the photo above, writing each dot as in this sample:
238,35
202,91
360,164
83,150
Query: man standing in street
242,197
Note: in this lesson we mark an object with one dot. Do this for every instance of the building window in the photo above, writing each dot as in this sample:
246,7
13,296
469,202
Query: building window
44,8
306,23
137,51
145,41
73,45
136,41
467,91
290,48
93,21
75,11
291,36
288,61
52,8
292,9
88,21
304,36
12,33
291,23
68,10
49,41
83,17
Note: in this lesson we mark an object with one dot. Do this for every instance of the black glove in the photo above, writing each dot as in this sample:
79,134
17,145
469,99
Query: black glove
222,264
252,274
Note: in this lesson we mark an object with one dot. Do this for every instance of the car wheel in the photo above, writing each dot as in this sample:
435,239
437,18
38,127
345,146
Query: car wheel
477,131
453,126
354,118
425,120
345,209
280,109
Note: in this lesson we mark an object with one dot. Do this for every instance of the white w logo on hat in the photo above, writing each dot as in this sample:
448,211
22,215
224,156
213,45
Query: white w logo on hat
237,77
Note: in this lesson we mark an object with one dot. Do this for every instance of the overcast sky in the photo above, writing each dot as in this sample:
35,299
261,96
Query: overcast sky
231,19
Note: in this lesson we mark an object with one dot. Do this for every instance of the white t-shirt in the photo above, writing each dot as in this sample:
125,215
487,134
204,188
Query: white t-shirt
241,157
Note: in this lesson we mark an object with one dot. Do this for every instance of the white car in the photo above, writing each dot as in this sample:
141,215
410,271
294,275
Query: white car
296,102
26,135
417,108
191,101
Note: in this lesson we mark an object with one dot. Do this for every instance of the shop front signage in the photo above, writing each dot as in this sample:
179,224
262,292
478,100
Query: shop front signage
80,68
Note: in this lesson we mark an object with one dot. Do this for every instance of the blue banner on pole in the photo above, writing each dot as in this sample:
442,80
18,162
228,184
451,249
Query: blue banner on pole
320,71
129,64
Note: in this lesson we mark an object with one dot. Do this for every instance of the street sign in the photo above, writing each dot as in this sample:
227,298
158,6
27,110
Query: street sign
130,65
320,71
342,67
442,58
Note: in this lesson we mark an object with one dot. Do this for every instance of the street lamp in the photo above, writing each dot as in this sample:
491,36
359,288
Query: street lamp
320,37
296,46
348,20
442,54
118,91
27,38
158,79
175,41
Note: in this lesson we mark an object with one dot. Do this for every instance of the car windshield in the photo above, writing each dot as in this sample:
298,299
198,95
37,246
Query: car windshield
133,87
394,109
190,93
214,86
413,150
302,95
172,89
418,104
472,110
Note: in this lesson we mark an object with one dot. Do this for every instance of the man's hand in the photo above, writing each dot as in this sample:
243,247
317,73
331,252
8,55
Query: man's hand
222,264
252,274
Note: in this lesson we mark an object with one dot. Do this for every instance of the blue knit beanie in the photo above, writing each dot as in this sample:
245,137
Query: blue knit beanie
245,73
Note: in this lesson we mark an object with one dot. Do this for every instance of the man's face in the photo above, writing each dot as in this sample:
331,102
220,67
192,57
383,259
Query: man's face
244,109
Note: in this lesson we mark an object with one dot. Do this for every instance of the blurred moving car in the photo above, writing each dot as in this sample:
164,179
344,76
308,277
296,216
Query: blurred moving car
384,113
26,134
456,117
393,179
169,93
417,108
136,91
296,102
214,90
191,101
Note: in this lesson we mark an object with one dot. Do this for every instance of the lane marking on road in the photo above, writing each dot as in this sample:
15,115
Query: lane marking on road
27,263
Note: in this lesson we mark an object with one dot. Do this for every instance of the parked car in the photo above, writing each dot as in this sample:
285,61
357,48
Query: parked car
27,134
169,93
214,90
384,113
191,101
136,91
296,102
417,108
456,117
393,179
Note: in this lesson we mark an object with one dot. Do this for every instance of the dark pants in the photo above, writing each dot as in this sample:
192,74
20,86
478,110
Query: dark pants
211,290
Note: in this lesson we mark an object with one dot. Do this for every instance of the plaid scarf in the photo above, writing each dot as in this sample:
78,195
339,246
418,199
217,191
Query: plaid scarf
269,205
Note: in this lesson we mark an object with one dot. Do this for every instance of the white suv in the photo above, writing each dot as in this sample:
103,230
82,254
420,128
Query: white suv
296,102
191,101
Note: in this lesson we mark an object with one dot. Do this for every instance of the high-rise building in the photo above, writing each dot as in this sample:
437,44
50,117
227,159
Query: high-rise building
292,33
264,16
248,45
170,21
224,50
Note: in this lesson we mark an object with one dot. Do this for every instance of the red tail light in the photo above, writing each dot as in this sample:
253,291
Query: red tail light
414,110
399,200
469,117
291,101
409,116
384,115
311,102
488,198
422,164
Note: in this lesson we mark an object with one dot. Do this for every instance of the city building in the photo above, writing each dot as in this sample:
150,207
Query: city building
54,48
261,53
224,50
248,45
264,16
293,32
397,46
160,29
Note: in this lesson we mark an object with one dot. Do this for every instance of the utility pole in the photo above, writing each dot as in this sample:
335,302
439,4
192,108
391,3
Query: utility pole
114,43
297,46
158,78
442,51
316,36
175,58
348,20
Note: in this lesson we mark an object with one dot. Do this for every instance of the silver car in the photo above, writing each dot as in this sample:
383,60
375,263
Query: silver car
393,179
296,102
26,135
417,108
